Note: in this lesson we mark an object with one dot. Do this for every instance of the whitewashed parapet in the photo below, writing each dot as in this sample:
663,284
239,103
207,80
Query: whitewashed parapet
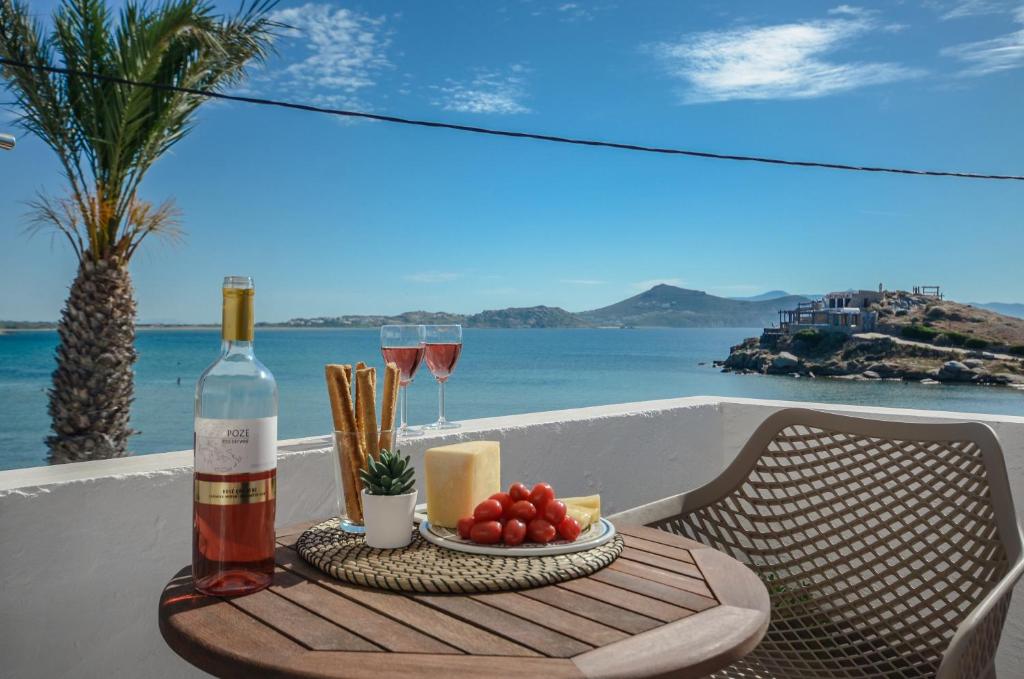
88,547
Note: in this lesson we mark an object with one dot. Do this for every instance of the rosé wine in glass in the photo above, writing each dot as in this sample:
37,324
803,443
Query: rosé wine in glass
444,346
403,345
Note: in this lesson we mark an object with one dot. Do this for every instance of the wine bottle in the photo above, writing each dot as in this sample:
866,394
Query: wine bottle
235,477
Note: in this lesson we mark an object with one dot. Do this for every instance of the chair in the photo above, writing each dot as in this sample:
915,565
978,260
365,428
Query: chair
889,549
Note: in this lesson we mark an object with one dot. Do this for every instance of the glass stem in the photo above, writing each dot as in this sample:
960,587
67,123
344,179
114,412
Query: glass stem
402,407
440,402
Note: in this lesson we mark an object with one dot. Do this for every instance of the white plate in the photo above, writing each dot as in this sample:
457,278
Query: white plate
594,536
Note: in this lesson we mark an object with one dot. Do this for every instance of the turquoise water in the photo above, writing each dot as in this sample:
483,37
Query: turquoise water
501,372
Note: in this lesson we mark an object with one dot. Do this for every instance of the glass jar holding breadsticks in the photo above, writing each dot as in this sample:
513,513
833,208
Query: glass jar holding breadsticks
353,397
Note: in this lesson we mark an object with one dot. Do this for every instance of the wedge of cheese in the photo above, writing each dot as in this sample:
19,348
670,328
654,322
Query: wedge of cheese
458,477
586,510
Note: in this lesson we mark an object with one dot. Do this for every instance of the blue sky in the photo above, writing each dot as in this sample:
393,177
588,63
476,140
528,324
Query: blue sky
333,217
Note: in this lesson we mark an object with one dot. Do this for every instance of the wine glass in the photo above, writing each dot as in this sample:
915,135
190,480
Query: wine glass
444,345
403,345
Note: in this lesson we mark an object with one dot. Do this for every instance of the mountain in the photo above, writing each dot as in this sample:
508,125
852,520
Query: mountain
669,306
526,317
1014,309
522,317
772,294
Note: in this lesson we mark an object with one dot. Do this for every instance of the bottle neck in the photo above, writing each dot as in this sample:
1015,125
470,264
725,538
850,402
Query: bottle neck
237,320
236,347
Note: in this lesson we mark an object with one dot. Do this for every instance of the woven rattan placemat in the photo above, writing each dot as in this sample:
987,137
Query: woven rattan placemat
425,567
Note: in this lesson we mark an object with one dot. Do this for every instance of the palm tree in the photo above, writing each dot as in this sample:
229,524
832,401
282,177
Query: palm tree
106,136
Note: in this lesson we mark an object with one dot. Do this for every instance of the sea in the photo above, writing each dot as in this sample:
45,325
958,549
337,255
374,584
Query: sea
501,372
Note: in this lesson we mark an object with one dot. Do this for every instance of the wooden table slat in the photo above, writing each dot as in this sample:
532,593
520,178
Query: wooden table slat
296,622
569,624
540,639
667,551
469,638
369,666
660,536
656,590
663,562
620,618
221,639
644,605
367,623
676,580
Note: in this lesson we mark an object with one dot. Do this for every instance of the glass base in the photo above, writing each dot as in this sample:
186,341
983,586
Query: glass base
351,527
446,424
409,432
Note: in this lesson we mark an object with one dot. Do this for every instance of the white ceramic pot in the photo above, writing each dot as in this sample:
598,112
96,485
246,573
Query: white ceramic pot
388,519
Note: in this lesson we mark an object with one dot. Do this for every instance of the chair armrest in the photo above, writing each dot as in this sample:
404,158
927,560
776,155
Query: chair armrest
972,650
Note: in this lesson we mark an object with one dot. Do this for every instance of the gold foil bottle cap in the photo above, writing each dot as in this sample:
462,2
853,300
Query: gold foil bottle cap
237,320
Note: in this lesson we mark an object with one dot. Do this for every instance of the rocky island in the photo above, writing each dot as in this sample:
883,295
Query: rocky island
888,335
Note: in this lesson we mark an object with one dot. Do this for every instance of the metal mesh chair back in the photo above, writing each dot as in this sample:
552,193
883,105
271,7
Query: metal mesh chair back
875,540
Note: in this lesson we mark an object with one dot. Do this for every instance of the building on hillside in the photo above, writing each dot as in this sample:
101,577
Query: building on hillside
853,298
845,312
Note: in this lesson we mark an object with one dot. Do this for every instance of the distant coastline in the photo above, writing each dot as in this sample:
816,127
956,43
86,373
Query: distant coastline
662,306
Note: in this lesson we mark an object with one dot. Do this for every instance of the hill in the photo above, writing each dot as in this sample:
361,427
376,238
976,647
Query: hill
526,317
673,307
772,294
916,337
515,317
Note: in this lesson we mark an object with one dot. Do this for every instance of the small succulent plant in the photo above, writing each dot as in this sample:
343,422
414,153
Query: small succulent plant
390,475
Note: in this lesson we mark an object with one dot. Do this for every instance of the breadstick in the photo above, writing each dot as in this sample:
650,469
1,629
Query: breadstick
330,373
346,441
389,399
366,409
342,392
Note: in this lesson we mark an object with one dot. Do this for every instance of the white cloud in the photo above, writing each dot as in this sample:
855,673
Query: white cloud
969,8
344,51
489,91
432,277
784,61
573,11
849,10
648,284
582,281
982,57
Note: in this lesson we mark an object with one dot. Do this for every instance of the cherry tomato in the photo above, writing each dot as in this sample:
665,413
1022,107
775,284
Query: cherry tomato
541,494
465,523
504,498
518,491
554,512
515,531
569,529
541,531
522,510
488,510
485,532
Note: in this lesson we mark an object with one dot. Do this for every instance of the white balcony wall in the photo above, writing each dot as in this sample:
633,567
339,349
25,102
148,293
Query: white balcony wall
88,547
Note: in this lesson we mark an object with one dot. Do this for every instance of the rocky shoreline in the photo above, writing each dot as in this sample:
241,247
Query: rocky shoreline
872,356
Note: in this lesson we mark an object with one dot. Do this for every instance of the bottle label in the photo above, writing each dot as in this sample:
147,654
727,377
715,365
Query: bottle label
235,493
235,446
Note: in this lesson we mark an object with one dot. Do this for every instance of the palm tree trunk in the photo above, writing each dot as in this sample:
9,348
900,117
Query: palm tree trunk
92,393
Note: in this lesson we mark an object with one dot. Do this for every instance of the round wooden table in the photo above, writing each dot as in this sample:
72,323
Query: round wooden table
667,606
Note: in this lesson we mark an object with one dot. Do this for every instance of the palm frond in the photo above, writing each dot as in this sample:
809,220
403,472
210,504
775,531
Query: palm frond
109,134
59,215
